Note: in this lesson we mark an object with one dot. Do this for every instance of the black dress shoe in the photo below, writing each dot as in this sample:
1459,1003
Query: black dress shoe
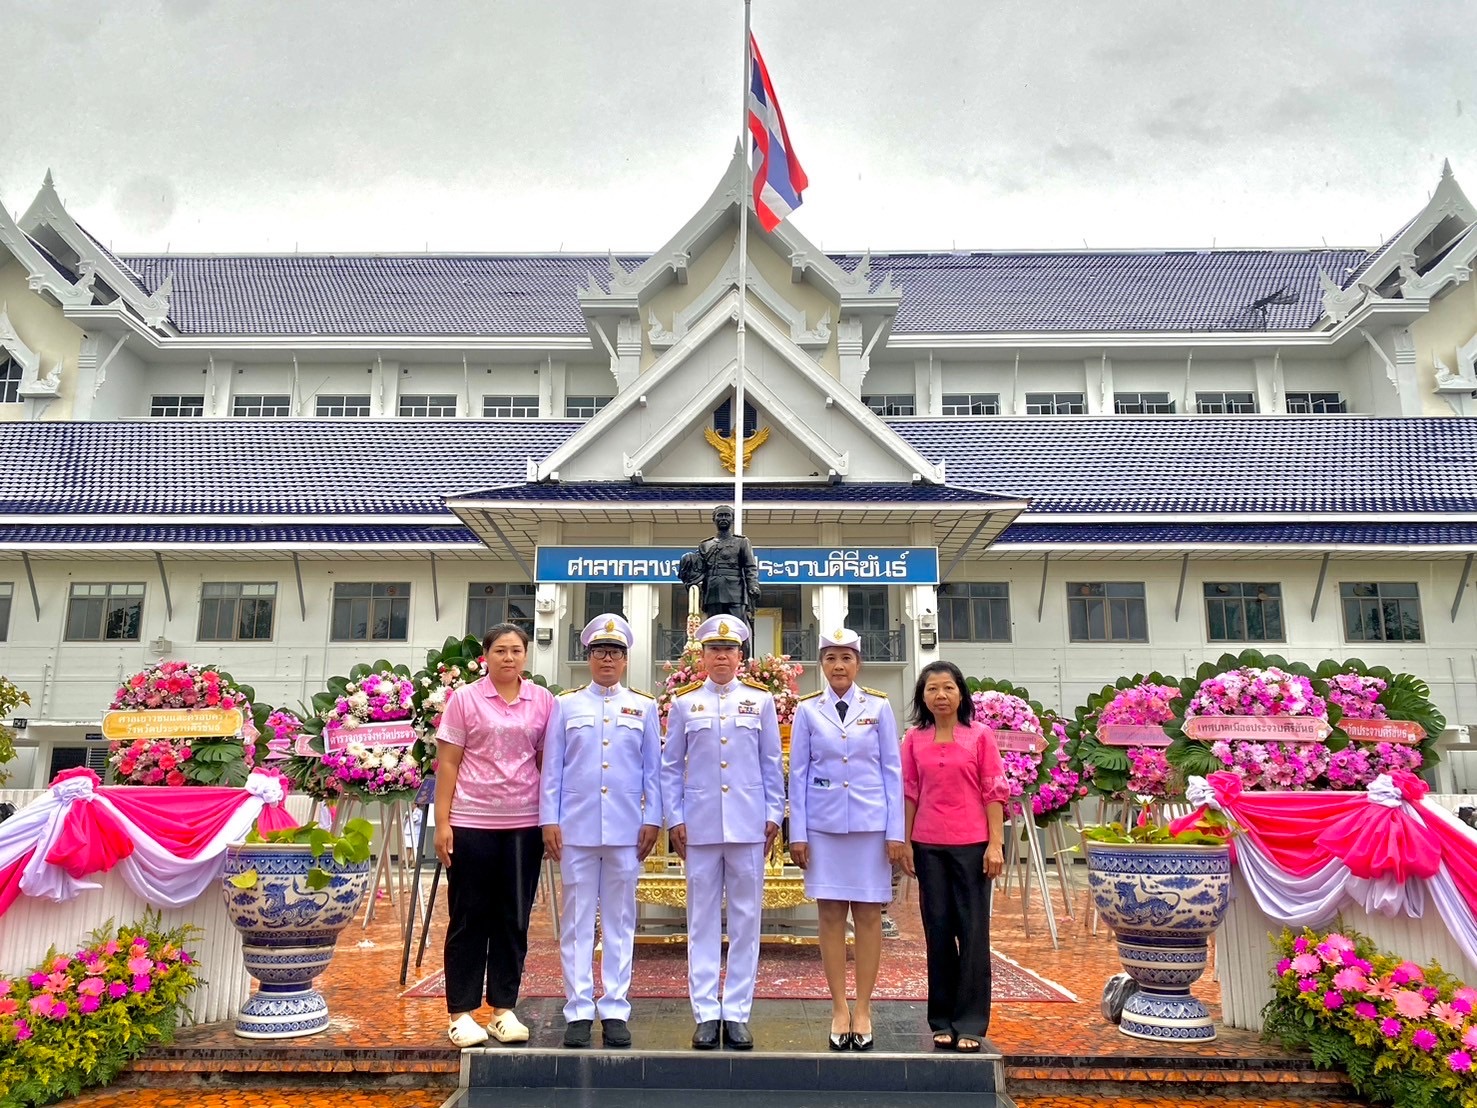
615,1033
577,1033
862,1042
839,1040
736,1034
706,1035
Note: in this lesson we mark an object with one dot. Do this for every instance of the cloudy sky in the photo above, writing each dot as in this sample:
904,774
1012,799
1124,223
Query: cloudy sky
510,125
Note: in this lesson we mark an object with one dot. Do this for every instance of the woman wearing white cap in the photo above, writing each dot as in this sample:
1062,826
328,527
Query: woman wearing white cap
846,823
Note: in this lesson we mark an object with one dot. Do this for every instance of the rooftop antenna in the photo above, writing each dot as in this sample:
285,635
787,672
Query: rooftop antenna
1253,317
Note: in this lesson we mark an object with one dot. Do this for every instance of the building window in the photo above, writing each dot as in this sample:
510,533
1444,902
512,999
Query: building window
340,406
489,605
432,406
1107,611
1238,611
10,380
1316,403
584,407
600,599
890,403
264,406
723,419
971,403
1225,403
975,612
1142,403
7,592
509,407
177,406
371,612
236,612
1378,611
1056,403
96,613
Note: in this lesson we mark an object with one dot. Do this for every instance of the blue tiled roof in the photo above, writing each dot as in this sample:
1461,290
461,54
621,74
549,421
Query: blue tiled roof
127,270
251,467
966,292
623,492
64,270
1319,534
1209,463
234,535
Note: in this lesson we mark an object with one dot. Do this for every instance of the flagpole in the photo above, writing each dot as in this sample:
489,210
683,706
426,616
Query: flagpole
736,424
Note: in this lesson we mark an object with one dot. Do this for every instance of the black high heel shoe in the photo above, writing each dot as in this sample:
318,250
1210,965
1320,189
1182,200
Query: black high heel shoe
861,1041
840,1040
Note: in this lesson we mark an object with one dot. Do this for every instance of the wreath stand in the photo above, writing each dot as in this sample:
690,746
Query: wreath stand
1021,867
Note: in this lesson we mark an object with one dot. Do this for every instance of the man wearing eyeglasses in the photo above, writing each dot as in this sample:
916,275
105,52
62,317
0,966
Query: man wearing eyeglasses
601,811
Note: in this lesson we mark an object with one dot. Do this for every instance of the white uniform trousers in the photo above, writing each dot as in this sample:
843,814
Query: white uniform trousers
602,877
738,869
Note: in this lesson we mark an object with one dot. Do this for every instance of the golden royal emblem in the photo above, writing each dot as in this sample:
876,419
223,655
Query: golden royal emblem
609,625
839,632
722,628
727,452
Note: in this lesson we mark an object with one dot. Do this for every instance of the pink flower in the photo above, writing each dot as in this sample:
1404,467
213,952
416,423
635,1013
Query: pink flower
1466,993
1469,1038
141,983
92,986
59,1010
22,1030
89,1004
117,990
1332,1000
1459,1060
1411,1005
58,983
1412,971
60,964
1448,1015
140,965
1365,1010
1350,978
1424,1039
1307,985
4,986
1300,944
42,1004
37,980
110,947
1284,967
1382,989
1390,1028
1307,963
7,1006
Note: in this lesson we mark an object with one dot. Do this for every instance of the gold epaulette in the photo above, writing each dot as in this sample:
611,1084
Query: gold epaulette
755,684
643,692
808,695
566,692
687,688
874,692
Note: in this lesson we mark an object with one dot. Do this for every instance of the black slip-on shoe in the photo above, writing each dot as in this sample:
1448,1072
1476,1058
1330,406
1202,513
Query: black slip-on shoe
615,1033
736,1034
706,1035
577,1033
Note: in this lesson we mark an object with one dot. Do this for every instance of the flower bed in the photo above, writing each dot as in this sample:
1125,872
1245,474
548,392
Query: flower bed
202,760
79,1018
1119,772
1404,1033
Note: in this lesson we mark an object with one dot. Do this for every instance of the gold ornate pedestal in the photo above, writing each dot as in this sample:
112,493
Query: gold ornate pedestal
663,885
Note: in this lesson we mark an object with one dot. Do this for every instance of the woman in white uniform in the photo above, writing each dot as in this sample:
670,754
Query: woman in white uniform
846,823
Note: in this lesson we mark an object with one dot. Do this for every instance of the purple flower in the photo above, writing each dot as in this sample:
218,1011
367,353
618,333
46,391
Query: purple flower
1283,966
1390,1028
1365,1010
1307,985
1459,1060
1424,1039
117,990
1332,1000
89,1004
141,983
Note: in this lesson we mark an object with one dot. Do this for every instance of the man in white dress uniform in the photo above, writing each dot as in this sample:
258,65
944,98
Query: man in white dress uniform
724,789
601,811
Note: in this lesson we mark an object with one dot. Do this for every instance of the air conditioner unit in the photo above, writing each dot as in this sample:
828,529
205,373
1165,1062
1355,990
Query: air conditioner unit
160,646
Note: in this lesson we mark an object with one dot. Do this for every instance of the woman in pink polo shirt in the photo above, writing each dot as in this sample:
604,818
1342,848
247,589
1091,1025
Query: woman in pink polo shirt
954,789
489,753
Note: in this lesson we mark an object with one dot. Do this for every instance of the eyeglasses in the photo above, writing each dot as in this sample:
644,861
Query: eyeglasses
607,653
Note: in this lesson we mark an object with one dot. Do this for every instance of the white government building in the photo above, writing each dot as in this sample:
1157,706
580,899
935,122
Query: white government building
1124,460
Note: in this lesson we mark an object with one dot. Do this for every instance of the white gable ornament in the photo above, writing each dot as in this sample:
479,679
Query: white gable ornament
33,386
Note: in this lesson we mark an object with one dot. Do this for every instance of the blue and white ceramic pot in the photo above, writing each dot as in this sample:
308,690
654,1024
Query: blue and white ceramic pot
288,932
1162,903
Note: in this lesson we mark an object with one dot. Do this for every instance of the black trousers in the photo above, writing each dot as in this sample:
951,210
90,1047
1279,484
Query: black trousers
954,896
490,887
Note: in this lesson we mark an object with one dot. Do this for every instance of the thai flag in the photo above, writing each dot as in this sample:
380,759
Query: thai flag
778,178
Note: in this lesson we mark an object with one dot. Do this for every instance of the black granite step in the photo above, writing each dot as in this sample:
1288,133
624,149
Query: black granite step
709,1098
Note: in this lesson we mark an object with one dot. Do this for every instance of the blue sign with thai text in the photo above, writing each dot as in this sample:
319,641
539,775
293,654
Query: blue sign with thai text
778,565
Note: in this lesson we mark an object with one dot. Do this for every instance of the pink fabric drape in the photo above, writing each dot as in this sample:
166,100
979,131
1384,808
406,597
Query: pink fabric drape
181,820
10,880
91,840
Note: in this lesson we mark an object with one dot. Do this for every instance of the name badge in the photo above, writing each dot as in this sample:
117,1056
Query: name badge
821,782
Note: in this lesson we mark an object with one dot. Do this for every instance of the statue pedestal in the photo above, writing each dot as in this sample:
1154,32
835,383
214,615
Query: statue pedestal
661,904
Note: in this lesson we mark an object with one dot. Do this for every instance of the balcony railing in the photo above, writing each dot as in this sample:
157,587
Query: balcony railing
800,643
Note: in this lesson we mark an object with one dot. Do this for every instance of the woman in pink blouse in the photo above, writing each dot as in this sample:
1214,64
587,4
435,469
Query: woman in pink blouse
954,790
489,753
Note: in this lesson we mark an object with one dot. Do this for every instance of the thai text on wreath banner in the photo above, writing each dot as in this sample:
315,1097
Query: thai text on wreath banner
127,724
778,565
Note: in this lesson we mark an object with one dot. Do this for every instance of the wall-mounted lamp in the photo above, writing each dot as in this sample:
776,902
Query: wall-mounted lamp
928,621
544,636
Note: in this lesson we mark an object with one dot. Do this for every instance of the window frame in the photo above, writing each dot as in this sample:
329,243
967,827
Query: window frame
504,597
527,409
596,405
325,399
126,598
261,404
12,374
1138,403
238,603
194,409
7,603
1224,404
1317,402
1074,598
950,600
1244,600
1077,400
437,410
374,600
890,404
1379,600
970,401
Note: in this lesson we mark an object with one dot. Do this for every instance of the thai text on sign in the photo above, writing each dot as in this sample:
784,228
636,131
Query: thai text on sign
1022,742
801,565
1282,729
1383,730
127,724
1132,734
386,733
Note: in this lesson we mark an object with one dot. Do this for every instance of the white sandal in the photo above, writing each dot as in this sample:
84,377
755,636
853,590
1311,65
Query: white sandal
466,1032
507,1028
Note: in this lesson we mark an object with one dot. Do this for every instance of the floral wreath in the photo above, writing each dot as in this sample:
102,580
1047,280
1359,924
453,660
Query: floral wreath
375,693
776,672
1364,692
1116,772
457,663
1003,706
201,760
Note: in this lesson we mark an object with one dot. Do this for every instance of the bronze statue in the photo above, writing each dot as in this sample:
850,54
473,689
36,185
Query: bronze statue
725,570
